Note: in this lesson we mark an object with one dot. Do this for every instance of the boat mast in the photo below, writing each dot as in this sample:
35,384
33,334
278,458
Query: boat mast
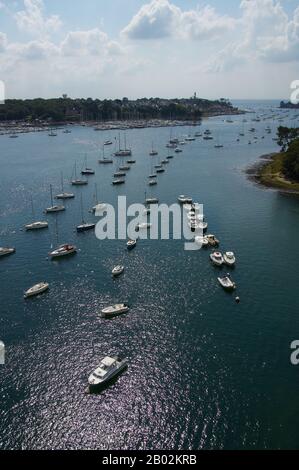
56,228
62,183
82,209
51,191
32,207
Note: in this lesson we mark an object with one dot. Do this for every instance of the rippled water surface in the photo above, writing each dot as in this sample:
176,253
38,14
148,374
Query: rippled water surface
204,372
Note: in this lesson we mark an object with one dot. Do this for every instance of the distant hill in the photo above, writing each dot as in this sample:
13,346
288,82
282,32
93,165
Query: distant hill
66,109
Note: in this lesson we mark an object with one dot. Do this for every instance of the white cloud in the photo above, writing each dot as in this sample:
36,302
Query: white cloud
3,42
160,19
155,20
33,20
266,34
92,42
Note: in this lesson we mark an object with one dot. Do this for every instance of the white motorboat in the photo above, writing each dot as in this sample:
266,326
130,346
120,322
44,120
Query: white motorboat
152,182
109,368
36,226
118,270
194,225
131,244
63,250
202,241
108,142
6,251
115,310
229,258
184,199
36,290
195,216
178,150
217,258
227,283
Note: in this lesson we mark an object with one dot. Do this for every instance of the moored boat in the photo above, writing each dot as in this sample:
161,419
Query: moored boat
36,290
217,258
36,226
63,250
108,369
229,258
4,251
227,283
118,270
115,310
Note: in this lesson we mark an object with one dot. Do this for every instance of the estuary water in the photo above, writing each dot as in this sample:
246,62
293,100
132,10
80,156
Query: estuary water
204,372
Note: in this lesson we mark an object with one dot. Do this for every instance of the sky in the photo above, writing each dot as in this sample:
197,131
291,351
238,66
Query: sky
237,49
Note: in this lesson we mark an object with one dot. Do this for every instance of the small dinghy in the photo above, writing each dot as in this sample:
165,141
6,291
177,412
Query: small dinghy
36,290
117,271
229,258
131,244
115,310
227,283
152,182
217,258
177,150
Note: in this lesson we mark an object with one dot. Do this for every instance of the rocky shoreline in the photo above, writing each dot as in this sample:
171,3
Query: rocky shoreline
261,173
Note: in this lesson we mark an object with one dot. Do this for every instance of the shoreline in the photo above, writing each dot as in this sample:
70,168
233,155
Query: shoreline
22,127
265,172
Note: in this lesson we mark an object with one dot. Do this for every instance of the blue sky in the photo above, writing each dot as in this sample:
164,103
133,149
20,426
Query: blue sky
99,48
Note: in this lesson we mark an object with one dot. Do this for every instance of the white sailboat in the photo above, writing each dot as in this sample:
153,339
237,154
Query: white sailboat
76,181
99,206
64,195
61,251
84,226
54,208
35,225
